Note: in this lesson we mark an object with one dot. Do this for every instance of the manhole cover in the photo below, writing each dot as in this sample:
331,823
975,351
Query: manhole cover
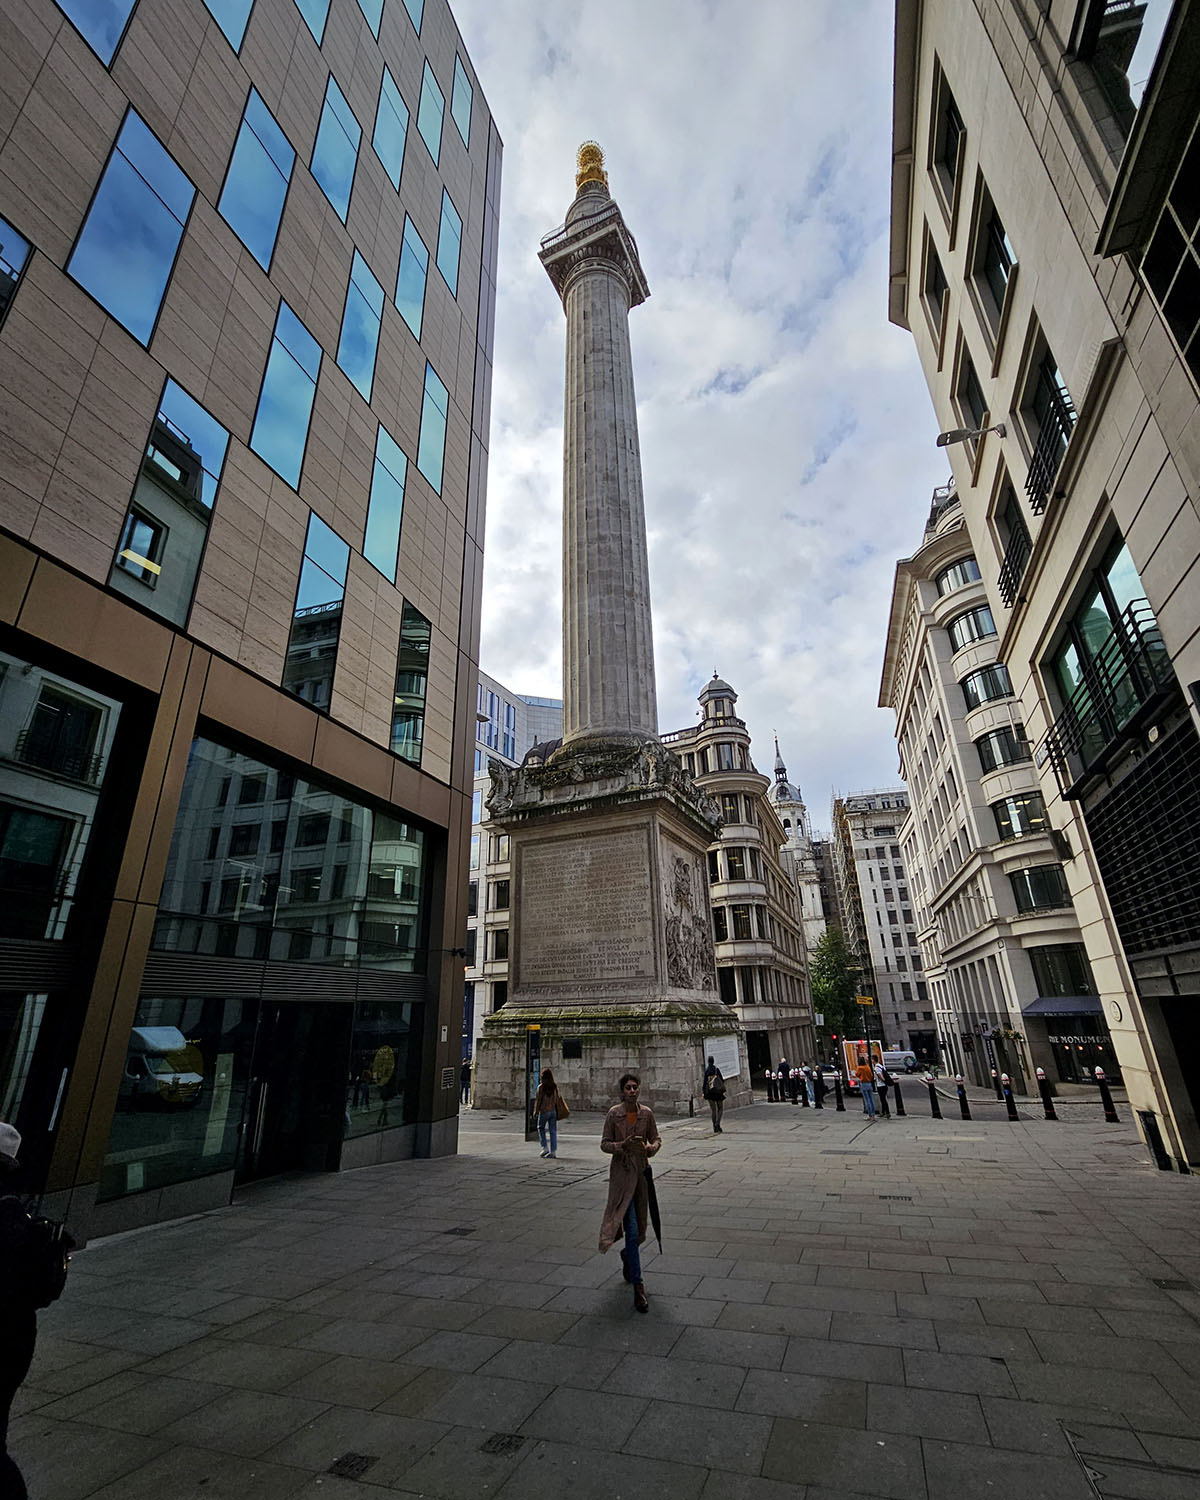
1172,1283
353,1465
502,1442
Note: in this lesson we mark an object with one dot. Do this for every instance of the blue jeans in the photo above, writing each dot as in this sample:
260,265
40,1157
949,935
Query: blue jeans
868,1096
548,1121
633,1255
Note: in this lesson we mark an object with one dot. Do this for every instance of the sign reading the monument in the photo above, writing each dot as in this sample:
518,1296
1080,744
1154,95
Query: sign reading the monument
586,910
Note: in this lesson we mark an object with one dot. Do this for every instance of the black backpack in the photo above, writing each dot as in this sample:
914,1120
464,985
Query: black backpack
36,1256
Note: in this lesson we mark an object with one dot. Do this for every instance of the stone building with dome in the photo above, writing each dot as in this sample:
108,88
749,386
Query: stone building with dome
759,913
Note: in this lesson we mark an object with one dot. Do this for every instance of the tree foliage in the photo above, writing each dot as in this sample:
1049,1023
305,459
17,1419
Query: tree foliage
835,972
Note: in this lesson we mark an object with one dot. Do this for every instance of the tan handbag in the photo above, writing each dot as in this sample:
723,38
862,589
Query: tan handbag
561,1108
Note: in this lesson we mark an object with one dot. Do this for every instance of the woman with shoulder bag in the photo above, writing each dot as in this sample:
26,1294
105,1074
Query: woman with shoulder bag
713,1090
549,1107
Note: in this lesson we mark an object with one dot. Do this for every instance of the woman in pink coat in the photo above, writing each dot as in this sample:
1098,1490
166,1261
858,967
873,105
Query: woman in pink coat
630,1137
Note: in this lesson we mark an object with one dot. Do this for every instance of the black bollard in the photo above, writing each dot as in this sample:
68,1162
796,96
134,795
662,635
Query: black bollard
1009,1102
935,1109
996,1084
1047,1096
899,1098
840,1103
963,1106
1110,1112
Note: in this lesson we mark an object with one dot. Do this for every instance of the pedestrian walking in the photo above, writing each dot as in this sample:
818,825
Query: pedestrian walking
549,1107
630,1137
866,1087
464,1082
809,1085
883,1080
713,1089
18,1315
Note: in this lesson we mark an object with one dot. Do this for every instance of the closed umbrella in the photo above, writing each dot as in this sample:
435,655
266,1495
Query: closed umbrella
652,1205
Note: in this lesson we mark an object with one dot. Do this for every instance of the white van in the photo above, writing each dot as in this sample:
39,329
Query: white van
162,1068
900,1062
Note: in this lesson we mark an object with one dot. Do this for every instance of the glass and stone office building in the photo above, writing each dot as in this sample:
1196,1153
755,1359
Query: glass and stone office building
247,259
1045,256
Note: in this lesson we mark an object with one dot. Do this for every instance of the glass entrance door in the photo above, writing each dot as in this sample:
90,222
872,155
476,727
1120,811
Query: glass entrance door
297,1097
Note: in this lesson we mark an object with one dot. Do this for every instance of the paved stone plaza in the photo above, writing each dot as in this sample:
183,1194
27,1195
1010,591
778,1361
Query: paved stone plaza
913,1309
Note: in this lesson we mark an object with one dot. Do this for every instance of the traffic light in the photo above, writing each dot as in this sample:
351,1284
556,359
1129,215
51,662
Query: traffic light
833,1037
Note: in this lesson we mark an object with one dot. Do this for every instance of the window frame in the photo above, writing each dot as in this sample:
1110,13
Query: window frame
429,77
329,107
245,125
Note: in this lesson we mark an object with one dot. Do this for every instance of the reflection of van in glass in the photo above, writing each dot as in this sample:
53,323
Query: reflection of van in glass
896,1062
162,1068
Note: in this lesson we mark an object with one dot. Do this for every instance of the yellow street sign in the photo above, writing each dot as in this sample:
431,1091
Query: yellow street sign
865,999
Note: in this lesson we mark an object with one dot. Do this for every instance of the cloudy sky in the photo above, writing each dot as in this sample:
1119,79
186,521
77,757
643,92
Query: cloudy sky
787,435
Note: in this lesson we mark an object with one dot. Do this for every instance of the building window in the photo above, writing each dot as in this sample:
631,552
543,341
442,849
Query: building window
500,895
460,101
994,258
415,9
140,550
231,16
1171,266
720,925
970,393
714,873
500,988
736,860
1016,816
430,112
725,757
475,842
315,13
126,249
243,839
14,255
974,625
280,432
317,618
1121,42
361,317
431,445
1039,888
101,26
449,243
741,922
473,899
476,806
934,286
949,138
1017,546
730,810
335,154
986,685
500,943
1049,415
410,279
391,129
1061,969
957,575
373,12
1002,747
412,677
498,848
385,510
256,184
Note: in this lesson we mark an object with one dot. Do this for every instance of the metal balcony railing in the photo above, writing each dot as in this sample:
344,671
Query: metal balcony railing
1129,671
1053,437
61,760
1016,559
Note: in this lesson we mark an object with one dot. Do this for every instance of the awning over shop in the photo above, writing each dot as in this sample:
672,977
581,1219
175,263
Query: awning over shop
1064,1005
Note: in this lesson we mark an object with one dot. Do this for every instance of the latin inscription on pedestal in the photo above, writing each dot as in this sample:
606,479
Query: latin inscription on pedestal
586,913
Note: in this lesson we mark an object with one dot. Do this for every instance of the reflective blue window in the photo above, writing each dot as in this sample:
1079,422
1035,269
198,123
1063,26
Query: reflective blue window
286,400
431,446
381,545
315,13
430,112
317,618
101,23
336,151
126,248
391,129
360,327
460,101
449,243
231,16
410,280
259,172
373,10
14,252
412,684
415,8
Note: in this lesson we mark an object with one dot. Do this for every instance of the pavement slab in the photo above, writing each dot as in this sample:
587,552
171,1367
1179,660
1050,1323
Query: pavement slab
921,1312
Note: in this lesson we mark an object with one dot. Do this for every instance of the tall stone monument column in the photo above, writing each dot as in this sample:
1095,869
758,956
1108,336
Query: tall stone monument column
611,954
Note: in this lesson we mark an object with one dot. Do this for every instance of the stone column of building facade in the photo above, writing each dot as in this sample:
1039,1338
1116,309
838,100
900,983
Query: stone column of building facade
611,958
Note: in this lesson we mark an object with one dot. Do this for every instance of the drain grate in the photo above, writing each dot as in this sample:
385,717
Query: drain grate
895,1198
688,1176
352,1465
502,1442
1047,1213
840,1151
1173,1284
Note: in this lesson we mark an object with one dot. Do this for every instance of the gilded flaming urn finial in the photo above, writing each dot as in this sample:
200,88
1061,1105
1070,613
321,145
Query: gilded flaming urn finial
589,165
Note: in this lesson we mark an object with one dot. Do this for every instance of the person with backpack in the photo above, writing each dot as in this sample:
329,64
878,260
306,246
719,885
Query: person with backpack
713,1089
18,1312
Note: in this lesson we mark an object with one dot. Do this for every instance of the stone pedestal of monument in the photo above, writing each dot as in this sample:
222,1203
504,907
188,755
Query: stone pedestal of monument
612,938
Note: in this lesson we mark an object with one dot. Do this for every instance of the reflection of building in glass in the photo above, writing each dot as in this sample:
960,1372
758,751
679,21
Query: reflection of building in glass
241,540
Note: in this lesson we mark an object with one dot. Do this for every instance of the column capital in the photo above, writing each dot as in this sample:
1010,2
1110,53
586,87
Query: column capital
595,234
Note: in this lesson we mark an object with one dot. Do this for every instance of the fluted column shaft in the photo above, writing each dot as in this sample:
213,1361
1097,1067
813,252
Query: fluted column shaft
608,645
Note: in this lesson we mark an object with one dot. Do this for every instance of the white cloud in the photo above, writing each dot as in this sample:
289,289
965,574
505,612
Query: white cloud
787,437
